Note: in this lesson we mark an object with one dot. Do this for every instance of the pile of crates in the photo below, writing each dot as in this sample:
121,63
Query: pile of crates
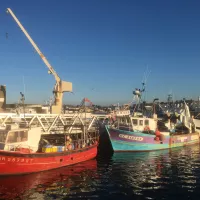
51,149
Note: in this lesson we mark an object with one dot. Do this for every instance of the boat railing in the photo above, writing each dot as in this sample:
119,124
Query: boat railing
73,145
21,147
81,143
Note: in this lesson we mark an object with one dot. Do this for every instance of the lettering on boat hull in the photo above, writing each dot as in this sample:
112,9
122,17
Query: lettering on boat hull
16,160
130,137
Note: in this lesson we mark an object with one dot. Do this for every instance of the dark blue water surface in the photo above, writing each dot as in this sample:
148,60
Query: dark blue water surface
168,174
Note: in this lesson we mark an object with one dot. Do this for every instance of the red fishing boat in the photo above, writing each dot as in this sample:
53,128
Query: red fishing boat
25,150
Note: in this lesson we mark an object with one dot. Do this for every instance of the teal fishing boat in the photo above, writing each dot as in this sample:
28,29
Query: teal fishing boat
139,132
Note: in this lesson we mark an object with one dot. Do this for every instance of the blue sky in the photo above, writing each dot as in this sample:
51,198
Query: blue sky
103,47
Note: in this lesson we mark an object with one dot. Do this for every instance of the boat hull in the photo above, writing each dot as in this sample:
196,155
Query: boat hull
13,163
137,141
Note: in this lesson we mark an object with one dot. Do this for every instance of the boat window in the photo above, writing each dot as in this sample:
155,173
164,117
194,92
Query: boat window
135,121
146,122
24,135
141,122
17,136
3,135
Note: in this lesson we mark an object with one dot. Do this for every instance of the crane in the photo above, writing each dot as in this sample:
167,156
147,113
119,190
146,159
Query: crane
60,86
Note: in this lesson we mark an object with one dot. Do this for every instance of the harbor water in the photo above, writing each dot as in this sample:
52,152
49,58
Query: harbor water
167,174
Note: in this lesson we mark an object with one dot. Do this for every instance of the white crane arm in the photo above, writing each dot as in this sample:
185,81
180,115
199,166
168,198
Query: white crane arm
35,46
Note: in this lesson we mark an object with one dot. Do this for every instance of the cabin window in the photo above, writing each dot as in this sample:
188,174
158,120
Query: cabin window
24,135
135,121
128,120
17,136
146,122
141,122
3,135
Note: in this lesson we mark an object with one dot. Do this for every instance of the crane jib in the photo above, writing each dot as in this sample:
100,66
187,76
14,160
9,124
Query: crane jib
63,85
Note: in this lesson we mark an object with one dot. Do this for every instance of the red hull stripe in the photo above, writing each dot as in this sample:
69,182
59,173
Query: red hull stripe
19,163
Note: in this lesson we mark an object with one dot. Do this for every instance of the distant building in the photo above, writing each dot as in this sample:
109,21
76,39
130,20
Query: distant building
2,97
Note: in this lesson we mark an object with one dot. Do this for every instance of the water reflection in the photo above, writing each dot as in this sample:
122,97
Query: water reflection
46,184
168,174
159,174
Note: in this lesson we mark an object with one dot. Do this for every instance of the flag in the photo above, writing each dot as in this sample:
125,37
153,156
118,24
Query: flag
86,102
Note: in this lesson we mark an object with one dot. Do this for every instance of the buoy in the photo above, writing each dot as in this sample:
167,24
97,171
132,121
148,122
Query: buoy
69,147
24,150
157,139
157,133
146,128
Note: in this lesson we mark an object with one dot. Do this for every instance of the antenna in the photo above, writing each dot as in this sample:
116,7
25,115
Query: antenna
24,85
22,102
144,80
